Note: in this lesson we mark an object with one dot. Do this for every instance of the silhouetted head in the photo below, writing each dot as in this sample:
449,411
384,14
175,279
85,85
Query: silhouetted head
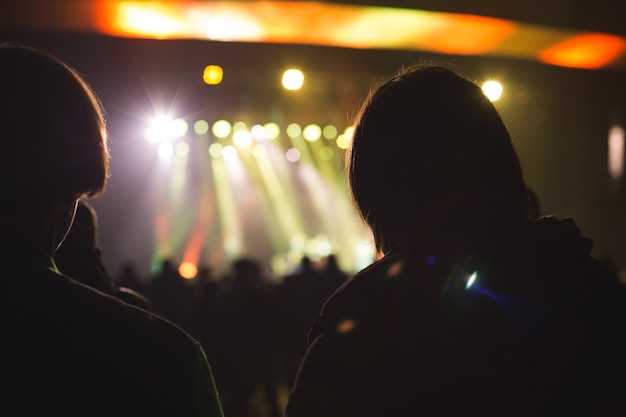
54,142
426,140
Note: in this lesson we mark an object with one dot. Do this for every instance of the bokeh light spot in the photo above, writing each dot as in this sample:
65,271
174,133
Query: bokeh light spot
216,149
165,150
312,132
329,132
229,153
292,155
346,326
181,149
271,130
188,270
294,130
242,138
293,79
221,129
394,269
213,74
201,127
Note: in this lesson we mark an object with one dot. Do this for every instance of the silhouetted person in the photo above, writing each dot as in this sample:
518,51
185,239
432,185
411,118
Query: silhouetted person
171,295
472,310
79,257
247,340
68,349
302,295
129,278
206,295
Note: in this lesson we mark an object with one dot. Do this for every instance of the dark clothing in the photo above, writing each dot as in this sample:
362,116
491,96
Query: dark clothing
534,330
70,350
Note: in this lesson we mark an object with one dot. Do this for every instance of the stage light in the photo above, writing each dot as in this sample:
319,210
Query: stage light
242,138
343,142
492,89
294,130
229,153
213,74
188,270
312,132
292,155
165,150
163,129
181,149
201,127
257,132
329,132
216,149
272,130
293,79
221,129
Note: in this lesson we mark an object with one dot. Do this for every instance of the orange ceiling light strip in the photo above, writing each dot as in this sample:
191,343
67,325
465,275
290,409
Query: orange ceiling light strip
589,50
325,24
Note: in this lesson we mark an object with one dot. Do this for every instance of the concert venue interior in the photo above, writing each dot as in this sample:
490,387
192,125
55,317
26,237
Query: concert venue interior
214,158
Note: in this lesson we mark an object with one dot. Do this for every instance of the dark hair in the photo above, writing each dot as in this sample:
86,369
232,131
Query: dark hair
53,131
423,140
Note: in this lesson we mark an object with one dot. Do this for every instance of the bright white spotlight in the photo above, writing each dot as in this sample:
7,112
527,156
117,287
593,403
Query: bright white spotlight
229,153
242,138
221,129
165,150
312,132
471,280
293,79
492,89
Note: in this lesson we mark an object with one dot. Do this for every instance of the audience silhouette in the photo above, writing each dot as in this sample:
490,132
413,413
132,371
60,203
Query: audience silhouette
79,257
473,309
247,331
68,349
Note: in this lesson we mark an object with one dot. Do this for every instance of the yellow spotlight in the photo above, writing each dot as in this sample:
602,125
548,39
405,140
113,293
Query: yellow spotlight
294,130
221,129
239,126
201,127
188,270
293,79
343,142
216,149
271,130
492,89
213,74
329,132
312,132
